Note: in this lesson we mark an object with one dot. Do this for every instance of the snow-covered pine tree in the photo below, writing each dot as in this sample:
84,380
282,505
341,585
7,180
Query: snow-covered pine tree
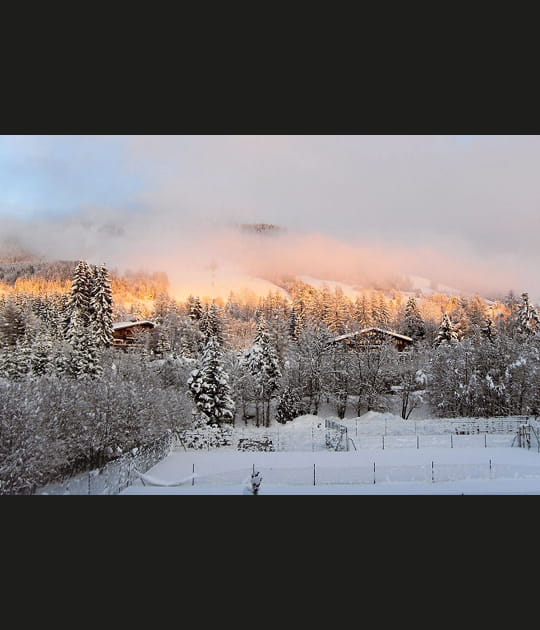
476,312
61,357
84,359
460,320
278,333
383,312
190,337
362,312
39,306
293,325
374,310
162,307
78,305
301,314
335,315
12,323
50,315
101,307
289,405
262,363
209,387
321,307
211,324
157,342
194,307
14,360
447,333
527,319
41,360
414,326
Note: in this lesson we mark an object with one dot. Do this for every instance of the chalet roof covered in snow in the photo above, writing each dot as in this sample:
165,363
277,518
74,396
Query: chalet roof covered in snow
364,331
142,322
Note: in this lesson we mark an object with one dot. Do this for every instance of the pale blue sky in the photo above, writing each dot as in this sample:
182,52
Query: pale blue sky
44,176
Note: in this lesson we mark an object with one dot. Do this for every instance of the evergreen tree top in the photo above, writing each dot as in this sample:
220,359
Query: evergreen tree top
447,332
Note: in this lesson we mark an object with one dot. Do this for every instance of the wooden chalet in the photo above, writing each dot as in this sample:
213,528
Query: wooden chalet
131,334
372,337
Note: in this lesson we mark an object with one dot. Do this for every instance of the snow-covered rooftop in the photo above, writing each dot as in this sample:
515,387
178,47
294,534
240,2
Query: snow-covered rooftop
141,322
370,329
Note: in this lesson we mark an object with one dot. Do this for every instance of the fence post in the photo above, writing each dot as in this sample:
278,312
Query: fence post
373,472
451,441
417,441
383,442
485,440
490,468
193,476
313,474
432,476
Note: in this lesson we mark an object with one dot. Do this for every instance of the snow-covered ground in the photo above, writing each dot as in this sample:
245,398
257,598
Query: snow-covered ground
439,462
469,464
392,471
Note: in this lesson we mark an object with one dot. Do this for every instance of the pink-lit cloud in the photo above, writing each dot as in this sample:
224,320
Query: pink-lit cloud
464,212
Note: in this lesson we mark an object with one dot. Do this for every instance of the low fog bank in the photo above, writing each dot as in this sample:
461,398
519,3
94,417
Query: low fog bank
212,253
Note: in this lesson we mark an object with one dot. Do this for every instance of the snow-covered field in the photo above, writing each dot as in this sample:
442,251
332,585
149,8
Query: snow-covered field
467,467
392,471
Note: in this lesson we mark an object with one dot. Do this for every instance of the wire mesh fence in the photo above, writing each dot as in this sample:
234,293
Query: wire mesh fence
372,473
315,438
116,475
457,426
448,440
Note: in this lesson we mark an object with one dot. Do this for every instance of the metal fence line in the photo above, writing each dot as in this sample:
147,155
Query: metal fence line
115,475
317,475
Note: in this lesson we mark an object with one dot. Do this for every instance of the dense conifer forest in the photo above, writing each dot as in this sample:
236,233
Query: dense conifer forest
70,400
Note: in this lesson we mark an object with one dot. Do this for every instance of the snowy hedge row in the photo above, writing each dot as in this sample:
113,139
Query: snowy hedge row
247,444
205,437
53,428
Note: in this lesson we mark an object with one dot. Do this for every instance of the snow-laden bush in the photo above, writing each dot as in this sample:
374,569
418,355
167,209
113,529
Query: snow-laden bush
53,427
289,406
249,444
207,436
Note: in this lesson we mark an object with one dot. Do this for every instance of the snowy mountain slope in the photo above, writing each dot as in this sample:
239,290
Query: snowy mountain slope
219,282
428,287
348,290
417,283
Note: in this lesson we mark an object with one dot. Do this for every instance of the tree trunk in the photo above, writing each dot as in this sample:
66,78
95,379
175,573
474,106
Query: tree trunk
404,403
244,410
359,404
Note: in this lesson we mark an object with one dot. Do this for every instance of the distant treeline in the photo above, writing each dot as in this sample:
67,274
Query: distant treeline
56,271
28,274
